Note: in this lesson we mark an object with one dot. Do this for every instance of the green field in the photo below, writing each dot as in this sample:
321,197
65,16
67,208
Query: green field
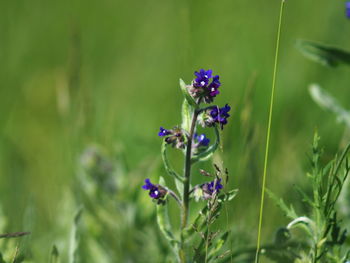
80,73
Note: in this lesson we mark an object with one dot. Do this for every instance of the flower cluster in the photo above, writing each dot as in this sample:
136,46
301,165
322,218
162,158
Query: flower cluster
347,6
175,137
202,89
156,191
212,187
208,190
220,115
214,115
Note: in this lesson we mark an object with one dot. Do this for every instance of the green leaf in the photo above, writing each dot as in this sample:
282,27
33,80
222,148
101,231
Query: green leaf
197,224
289,211
74,237
200,221
179,186
228,196
54,257
323,54
187,96
218,244
178,179
164,223
305,197
204,156
186,113
329,103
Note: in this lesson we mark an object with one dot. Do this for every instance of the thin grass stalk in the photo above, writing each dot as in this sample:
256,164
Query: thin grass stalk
269,131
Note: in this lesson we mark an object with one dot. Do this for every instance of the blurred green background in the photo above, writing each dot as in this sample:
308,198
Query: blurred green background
77,72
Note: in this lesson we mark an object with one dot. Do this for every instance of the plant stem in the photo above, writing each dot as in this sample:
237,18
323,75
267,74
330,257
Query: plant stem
269,132
187,181
176,198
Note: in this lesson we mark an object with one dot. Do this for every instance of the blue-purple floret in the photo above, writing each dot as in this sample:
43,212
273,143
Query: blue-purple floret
347,7
214,186
203,77
154,191
163,132
214,85
201,140
220,115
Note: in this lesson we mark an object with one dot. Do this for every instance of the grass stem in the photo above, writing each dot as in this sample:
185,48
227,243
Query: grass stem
269,132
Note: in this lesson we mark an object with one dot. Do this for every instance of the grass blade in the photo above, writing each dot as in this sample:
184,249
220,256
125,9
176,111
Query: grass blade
269,131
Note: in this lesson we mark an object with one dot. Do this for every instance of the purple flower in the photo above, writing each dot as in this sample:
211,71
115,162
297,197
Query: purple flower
155,190
214,115
211,188
175,137
214,85
202,79
347,6
220,115
214,185
201,140
163,132
201,89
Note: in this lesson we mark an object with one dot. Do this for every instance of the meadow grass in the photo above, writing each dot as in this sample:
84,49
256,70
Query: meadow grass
76,73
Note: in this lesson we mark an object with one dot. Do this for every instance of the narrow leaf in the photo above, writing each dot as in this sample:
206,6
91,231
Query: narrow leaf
164,223
200,221
228,196
305,197
186,113
289,211
179,186
325,55
197,224
218,244
187,96
16,234
329,103
74,237
170,170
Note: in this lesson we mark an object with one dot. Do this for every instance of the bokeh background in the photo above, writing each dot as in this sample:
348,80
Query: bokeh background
76,73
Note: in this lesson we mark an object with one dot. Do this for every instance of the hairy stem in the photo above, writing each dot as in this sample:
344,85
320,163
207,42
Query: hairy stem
187,181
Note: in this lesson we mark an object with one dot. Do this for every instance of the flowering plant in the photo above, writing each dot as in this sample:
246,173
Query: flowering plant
196,147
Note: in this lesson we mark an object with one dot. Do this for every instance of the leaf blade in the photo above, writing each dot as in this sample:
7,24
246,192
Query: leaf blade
170,170
323,54
164,222
186,95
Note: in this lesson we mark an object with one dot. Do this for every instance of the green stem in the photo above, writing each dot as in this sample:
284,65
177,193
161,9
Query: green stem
176,198
187,181
269,132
